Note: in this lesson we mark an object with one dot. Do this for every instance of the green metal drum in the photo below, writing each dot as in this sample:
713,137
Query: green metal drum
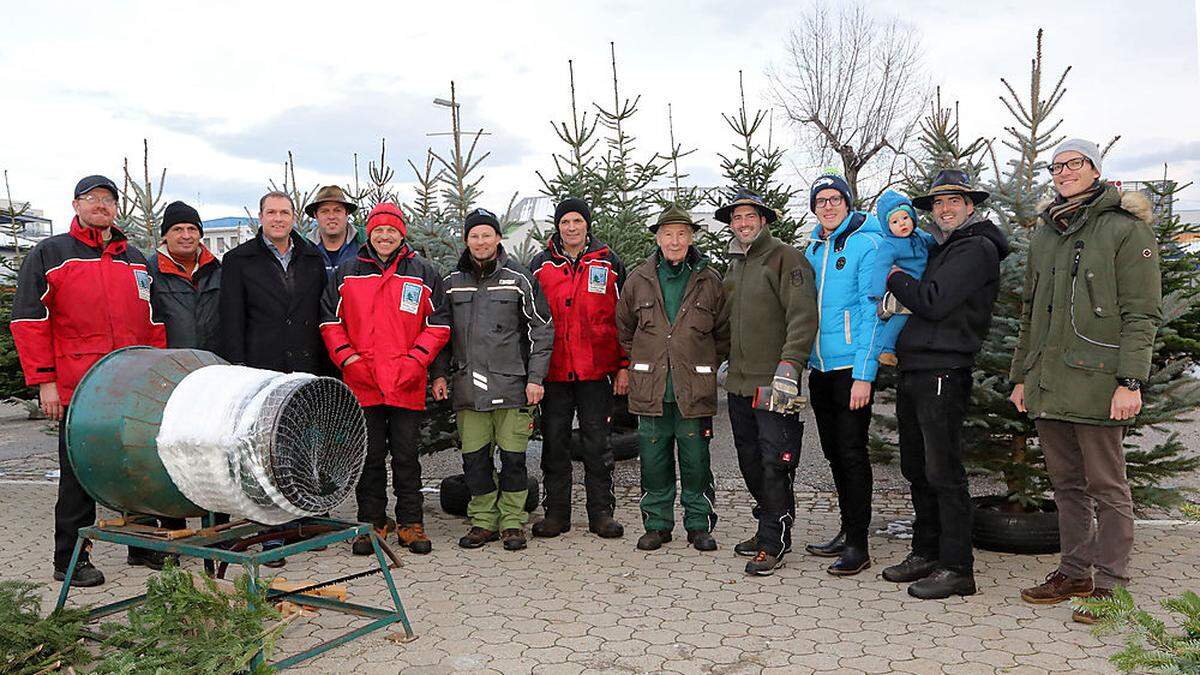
112,426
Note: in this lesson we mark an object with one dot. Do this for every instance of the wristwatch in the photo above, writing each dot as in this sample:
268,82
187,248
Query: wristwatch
1130,383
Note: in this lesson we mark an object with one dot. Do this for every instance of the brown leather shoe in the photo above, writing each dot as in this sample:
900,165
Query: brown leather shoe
514,539
1081,615
412,536
1056,588
477,536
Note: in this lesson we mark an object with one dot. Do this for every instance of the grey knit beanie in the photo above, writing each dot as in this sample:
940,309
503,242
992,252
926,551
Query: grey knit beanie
1086,148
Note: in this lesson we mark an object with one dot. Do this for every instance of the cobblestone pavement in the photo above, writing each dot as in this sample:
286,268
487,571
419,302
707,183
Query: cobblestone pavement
580,604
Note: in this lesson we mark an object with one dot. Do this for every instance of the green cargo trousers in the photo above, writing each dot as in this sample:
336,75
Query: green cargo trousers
658,438
497,500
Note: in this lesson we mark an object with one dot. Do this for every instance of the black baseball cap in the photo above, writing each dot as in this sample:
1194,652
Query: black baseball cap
92,182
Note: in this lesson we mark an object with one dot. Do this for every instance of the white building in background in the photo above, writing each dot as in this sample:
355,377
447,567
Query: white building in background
222,234
31,227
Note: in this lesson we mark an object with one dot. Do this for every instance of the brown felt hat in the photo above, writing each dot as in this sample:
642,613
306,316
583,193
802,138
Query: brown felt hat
329,193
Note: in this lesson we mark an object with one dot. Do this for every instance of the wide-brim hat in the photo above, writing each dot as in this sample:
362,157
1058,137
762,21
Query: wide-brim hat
950,182
329,193
674,214
744,198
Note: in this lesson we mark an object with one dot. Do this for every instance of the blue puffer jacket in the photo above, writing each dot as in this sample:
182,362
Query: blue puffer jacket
844,264
909,253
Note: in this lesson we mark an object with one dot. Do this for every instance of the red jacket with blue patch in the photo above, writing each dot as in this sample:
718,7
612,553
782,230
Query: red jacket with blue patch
79,298
583,298
384,313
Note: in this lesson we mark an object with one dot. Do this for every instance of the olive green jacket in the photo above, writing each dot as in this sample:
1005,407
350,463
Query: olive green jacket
1092,305
773,315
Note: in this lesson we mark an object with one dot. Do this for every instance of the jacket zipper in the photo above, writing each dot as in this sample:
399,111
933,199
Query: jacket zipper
1074,279
820,301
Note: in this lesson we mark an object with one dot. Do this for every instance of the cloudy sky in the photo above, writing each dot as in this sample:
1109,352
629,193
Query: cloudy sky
223,90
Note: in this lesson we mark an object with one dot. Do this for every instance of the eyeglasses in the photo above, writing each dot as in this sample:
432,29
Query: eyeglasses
1074,164
103,200
836,200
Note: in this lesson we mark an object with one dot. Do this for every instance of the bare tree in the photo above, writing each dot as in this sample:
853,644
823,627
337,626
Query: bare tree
854,86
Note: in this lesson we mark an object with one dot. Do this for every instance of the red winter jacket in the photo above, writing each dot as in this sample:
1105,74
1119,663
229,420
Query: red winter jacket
583,298
78,299
384,315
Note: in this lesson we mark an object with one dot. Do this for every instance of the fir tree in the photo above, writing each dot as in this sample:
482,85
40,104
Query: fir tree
141,206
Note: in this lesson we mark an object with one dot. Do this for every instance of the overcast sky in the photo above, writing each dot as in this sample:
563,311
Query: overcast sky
223,90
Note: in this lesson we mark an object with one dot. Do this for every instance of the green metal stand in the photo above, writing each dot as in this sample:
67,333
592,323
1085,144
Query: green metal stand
219,546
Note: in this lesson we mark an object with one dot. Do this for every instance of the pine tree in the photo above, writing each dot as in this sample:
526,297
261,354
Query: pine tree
752,166
141,207
12,380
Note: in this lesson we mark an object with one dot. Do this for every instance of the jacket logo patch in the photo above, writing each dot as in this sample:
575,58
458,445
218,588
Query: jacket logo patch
143,284
597,279
642,367
508,281
704,370
1146,253
797,277
841,262
410,297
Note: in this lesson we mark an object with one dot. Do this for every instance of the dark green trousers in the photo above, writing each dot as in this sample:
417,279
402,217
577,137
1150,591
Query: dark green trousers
659,438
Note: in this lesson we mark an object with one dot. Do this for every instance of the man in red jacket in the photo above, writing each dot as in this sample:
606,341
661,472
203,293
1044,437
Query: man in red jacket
80,295
378,323
582,279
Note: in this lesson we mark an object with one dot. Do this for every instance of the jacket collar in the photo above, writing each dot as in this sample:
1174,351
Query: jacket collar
116,245
368,254
168,264
590,247
762,243
466,264
854,222
300,245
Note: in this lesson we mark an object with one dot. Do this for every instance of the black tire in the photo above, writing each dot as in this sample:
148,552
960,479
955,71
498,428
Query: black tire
453,495
1002,531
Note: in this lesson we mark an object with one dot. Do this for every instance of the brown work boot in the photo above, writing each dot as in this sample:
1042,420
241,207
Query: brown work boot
362,543
1081,615
477,536
1056,588
412,536
514,539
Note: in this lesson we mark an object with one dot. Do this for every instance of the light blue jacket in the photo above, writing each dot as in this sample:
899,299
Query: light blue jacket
844,264
909,253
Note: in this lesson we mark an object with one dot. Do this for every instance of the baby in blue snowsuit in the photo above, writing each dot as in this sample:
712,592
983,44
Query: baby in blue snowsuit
905,246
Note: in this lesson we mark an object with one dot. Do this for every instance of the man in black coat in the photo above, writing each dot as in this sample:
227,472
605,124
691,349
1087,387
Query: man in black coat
186,291
951,307
271,296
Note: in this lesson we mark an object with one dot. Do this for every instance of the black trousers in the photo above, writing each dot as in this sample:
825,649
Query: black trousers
592,401
394,430
768,450
843,434
930,405
73,509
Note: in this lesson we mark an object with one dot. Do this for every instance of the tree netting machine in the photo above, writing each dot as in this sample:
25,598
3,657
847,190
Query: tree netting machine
179,433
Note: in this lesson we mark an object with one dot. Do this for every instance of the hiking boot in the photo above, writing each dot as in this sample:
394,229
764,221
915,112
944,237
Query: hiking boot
653,540
144,557
943,583
830,549
764,564
270,546
477,536
748,548
1083,615
413,537
914,568
551,525
1056,588
606,527
86,575
853,560
701,540
362,545
514,539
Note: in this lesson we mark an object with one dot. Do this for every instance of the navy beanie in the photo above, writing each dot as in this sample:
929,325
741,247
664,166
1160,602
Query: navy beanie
826,182
572,204
481,217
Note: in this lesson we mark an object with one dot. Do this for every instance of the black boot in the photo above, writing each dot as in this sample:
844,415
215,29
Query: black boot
85,575
748,548
701,540
606,527
551,526
943,583
145,557
653,540
913,568
830,549
853,560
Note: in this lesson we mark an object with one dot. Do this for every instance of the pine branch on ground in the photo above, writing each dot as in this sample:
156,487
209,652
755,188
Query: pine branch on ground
30,643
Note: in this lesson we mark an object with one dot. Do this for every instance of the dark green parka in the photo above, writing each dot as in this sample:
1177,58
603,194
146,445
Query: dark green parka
1092,305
